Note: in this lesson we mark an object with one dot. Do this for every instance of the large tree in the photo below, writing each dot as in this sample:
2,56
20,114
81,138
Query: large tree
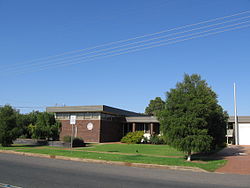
9,130
192,120
46,126
155,106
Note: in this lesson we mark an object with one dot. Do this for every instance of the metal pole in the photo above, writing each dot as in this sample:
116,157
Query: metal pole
235,118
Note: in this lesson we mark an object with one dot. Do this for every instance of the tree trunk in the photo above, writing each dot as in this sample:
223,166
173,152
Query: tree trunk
189,156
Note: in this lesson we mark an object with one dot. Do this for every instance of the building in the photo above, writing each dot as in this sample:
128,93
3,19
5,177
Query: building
102,123
107,124
243,130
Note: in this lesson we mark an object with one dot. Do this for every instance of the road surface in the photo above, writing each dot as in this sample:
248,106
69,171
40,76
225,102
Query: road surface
31,172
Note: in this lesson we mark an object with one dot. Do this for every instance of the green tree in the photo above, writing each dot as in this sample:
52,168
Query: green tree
155,106
24,120
45,127
192,120
55,130
9,130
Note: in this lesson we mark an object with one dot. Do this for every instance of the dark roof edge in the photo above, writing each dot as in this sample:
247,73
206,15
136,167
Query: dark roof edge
93,108
120,111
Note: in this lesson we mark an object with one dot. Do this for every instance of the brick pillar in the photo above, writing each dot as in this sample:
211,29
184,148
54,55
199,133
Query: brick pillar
133,127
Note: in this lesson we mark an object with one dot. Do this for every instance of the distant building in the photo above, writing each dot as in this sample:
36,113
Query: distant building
102,123
243,130
107,124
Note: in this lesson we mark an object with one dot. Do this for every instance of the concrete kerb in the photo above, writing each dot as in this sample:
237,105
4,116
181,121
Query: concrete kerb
140,165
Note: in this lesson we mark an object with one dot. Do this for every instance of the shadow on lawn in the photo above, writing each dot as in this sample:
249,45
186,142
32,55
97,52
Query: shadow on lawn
205,157
26,145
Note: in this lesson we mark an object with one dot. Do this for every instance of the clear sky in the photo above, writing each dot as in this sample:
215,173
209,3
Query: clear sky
36,29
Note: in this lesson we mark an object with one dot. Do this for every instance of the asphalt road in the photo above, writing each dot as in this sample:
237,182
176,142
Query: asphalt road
31,172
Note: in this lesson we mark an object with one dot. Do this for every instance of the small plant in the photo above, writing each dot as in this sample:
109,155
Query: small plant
23,136
145,140
67,139
133,137
155,139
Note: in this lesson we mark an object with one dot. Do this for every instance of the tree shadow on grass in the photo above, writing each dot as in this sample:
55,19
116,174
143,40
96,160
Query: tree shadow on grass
205,157
219,154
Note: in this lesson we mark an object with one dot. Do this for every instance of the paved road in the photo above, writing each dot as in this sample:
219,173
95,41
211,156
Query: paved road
30,172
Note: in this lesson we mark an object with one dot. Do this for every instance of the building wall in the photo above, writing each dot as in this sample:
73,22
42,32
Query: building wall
111,131
82,131
106,127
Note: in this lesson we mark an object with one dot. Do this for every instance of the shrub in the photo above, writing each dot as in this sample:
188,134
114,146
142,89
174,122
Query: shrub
133,137
77,141
67,139
23,136
155,139
145,140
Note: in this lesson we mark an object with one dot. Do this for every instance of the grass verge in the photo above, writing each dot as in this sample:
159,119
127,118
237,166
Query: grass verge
209,165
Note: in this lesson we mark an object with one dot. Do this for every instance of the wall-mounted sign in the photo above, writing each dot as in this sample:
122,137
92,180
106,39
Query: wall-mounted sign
72,119
90,126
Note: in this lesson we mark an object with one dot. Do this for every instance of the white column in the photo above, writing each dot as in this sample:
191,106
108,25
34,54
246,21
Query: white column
133,128
151,128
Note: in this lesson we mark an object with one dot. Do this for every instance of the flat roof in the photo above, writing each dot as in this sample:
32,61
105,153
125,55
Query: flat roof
145,119
94,108
241,119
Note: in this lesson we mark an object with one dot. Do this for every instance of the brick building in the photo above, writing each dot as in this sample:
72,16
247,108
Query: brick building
102,123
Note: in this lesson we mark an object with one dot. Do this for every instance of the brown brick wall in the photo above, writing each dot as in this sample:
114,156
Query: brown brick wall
111,131
103,130
82,131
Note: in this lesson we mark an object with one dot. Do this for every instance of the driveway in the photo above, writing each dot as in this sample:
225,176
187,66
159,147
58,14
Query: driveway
238,160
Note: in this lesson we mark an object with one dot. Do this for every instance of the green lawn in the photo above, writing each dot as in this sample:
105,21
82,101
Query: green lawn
162,150
140,157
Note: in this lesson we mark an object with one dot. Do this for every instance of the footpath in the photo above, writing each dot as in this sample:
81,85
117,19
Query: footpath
238,160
